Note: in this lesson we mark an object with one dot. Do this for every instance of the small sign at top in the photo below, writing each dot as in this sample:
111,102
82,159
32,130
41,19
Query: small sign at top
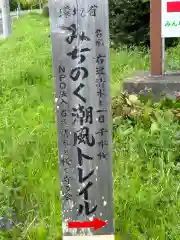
170,18
173,6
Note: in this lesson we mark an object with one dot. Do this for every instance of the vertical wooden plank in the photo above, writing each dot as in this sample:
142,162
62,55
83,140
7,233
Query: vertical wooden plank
155,37
80,47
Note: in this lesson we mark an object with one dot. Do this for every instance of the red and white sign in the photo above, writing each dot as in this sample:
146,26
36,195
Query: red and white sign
170,18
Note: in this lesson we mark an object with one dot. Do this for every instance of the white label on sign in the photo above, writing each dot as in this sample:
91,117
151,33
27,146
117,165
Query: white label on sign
170,21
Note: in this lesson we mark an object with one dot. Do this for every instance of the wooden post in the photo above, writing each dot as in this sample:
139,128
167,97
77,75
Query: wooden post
80,49
155,38
6,19
40,6
19,8
17,13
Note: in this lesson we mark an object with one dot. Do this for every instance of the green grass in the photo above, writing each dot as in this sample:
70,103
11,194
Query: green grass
146,172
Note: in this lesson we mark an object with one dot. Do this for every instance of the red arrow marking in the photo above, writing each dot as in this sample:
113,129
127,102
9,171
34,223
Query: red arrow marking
96,224
173,6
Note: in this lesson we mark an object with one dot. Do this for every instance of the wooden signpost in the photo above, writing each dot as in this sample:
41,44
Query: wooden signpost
80,49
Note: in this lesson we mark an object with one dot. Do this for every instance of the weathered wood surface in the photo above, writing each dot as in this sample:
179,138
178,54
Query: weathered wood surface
80,46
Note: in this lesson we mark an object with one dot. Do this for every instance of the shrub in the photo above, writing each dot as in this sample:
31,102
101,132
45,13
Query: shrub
129,21
45,11
13,5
